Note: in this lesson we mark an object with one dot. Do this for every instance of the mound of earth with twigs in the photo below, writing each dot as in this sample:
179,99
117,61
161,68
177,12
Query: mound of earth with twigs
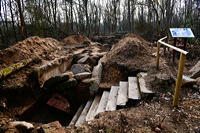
128,57
16,62
76,39
28,49
136,37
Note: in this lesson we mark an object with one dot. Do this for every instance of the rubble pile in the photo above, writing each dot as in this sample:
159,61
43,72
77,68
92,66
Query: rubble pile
51,76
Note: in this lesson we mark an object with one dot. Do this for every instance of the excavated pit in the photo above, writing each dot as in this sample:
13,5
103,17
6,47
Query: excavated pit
39,112
127,58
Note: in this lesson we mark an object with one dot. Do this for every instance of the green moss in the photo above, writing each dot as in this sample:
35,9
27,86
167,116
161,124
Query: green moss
108,130
8,70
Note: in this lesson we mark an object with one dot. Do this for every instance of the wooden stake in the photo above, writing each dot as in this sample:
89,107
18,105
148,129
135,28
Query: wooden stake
179,79
158,55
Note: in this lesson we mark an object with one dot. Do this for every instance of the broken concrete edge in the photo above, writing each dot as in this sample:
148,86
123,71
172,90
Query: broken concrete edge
53,68
53,127
80,68
14,67
96,76
141,79
195,71
24,124
188,80
55,62
81,76
58,79
97,71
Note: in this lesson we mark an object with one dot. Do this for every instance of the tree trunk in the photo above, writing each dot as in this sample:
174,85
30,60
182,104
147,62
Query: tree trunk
13,22
22,23
129,17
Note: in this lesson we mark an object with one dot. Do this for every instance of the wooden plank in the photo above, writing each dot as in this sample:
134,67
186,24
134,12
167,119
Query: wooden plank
173,47
82,117
93,108
103,102
158,56
142,83
122,97
112,99
77,115
133,89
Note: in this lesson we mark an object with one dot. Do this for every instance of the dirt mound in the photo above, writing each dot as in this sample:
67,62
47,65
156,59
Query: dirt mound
75,39
128,57
136,37
128,52
30,48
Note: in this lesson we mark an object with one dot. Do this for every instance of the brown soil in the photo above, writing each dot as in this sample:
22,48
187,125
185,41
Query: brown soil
30,48
75,39
127,52
36,48
128,57
131,35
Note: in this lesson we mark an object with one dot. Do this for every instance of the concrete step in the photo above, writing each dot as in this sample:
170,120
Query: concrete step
142,83
112,99
133,89
82,117
103,102
122,97
188,80
93,108
77,115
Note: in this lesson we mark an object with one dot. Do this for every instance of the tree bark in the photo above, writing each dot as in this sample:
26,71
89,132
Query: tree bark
22,22
13,22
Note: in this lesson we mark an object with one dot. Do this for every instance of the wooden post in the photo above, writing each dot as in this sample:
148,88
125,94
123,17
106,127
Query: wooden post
174,52
179,79
158,55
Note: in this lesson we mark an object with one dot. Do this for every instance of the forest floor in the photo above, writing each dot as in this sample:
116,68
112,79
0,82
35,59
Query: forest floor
154,114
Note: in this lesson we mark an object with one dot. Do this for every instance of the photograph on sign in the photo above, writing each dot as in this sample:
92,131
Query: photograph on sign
182,32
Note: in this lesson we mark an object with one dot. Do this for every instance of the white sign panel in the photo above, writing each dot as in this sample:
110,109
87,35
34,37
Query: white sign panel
181,32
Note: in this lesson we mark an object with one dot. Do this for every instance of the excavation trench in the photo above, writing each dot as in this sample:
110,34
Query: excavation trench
39,112
54,78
